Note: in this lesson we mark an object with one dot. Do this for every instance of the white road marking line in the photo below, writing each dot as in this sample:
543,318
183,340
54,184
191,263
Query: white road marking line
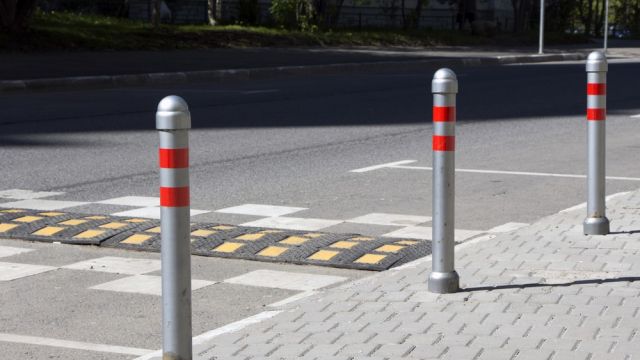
292,299
137,201
10,251
40,204
152,212
260,210
584,204
482,171
144,284
635,116
210,335
77,345
507,227
424,233
20,194
285,280
382,166
428,258
13,271
390,219
117,265
291,223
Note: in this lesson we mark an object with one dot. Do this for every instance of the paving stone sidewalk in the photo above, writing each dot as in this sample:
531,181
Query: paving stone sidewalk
541,292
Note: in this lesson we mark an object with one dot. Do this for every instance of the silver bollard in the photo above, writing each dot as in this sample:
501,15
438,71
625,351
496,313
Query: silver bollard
596,222
173,122
443,278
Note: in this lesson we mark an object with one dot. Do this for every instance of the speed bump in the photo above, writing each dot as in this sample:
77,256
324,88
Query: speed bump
219,240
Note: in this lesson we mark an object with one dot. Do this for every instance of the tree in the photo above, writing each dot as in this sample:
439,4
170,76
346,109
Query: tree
15,14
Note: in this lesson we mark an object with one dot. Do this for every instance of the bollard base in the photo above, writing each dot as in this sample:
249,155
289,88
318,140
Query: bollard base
444,282
596,226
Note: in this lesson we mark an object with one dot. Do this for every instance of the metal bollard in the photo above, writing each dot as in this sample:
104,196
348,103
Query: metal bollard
596,222
443,278
173,122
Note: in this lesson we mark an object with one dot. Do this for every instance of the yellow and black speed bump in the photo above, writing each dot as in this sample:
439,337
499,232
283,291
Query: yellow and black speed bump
227,241
284,246
66,228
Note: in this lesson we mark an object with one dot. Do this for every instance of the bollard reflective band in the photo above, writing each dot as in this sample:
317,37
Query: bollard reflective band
174,196
444,113
596,114
174,158
444,143
596,89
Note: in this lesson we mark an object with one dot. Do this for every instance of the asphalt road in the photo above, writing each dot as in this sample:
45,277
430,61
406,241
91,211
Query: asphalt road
292,142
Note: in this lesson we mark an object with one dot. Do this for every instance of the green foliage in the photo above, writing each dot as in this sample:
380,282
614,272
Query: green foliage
294,14
65,31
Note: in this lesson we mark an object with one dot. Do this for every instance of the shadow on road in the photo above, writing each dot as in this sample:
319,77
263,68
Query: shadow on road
486,94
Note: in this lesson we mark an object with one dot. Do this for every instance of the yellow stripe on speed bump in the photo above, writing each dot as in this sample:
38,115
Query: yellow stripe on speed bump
312,235
135,221
89,234
343,244
48,231
223,227
271,231
155,230
390,248
370,259
250,237
202,232
228,247
6,227
28,219
361,238
12,211
273,251
294,240
51,213
73,222
136,239
323,255
113,225
96,217
407,242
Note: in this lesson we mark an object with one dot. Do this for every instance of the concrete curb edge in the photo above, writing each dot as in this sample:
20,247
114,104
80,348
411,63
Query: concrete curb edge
114,81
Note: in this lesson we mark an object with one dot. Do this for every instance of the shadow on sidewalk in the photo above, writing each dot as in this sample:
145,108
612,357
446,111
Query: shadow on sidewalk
536,285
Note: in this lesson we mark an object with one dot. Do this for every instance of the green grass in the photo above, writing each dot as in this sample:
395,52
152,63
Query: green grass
67,31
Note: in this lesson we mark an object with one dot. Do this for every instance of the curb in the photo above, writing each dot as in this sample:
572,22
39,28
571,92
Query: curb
115,81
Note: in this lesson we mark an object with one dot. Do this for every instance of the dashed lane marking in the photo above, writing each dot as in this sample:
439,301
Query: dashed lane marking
199,342
401,165
77,345
144,284
286,280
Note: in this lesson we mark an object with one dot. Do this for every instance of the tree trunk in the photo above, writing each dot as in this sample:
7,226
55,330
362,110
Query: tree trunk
155,13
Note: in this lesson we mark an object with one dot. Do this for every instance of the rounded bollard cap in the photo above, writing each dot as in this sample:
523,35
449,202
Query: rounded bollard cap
444,81
173,114
597,62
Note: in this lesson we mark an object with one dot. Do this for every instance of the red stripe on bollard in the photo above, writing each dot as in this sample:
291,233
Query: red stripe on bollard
596,89
174,196
174,158
444,113
444,143
596,114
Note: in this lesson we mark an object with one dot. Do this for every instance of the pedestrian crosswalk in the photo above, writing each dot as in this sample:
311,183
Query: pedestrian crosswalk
141,275
393,225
